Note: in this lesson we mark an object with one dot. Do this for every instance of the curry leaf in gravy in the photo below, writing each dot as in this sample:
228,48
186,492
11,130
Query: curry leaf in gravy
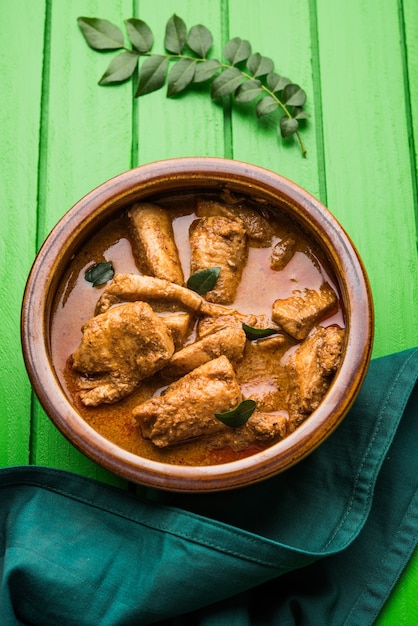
100,273
203,281
257,333
242,75
239,415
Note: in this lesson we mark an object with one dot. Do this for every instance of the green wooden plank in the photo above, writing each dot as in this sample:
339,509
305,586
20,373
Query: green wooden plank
86,133
409,18
87,129
188,124
21,62
368,168
401,609
284,35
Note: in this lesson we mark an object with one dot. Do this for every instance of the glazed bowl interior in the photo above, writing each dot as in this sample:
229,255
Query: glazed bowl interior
190,175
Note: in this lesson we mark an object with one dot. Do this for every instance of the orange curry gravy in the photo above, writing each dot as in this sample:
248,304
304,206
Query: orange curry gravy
260,286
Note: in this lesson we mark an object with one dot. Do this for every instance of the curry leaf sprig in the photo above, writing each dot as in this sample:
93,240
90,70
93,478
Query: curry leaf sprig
246,76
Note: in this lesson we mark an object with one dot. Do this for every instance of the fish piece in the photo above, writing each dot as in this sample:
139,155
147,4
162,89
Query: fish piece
265,427
219,242
282,252
209,324
262,428
267,392
216,310
118,349
152,230
312,368
187,408
299,313
131,287
228,341
261,359
260,375
258,229
179,325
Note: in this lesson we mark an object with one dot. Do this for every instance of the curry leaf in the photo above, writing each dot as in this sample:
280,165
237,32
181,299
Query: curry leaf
288,126
266,105
257,333
226,82
203,281
300,114
120,68
100,34
175,35
293,95
180,76
237,50
139,34
152,74
259,65
205,70
248,90
100,273
200,40
276,82
239,415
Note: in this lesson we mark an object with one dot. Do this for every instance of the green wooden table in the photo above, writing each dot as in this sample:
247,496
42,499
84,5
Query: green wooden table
61,135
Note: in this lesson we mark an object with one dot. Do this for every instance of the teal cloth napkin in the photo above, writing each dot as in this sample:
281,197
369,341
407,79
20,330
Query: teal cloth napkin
322,543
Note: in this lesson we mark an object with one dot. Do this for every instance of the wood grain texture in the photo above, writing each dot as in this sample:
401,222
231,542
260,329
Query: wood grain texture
19,121
86,133
409,16
258,140
367,156
179,126
401,609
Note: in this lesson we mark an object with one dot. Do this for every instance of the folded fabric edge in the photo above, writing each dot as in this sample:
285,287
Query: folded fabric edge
207,532
388,569
374,456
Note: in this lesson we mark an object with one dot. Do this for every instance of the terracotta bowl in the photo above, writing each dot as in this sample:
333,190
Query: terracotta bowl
188,175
